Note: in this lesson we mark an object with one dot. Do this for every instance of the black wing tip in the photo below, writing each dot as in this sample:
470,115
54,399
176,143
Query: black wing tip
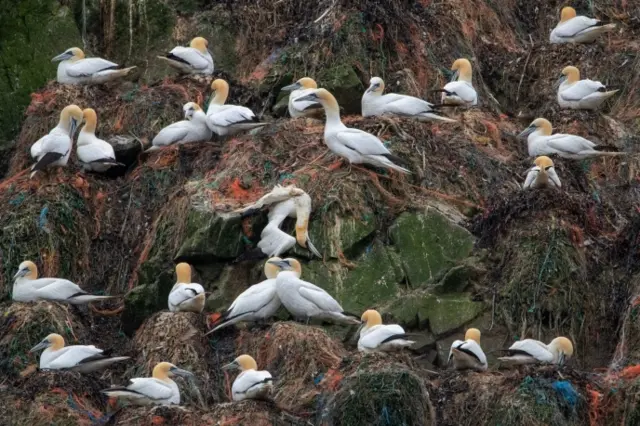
396,160
45,160
176,58
608,148
402,336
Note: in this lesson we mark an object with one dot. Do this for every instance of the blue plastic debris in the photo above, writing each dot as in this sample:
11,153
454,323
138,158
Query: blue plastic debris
567,391
42,221
318,379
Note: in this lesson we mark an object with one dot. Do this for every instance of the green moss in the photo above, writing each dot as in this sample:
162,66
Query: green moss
444,313
345,85
31,33
212,236
429,244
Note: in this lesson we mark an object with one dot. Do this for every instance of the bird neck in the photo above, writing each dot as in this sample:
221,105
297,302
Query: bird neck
332,116
221,96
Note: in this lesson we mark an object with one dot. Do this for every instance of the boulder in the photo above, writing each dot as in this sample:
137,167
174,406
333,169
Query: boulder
343,82
211,236
429,244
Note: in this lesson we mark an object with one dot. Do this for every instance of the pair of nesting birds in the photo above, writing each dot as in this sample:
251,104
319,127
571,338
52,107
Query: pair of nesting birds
27,287
220,118
75,68
54,149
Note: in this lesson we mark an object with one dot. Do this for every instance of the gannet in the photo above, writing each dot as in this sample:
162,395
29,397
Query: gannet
374,103
250,383
228,119
577,29
192,129
353,144
285,201
542,174
94,154
376,337
467,354
80,358
54,149
74,68
27,287
186,296
195,59
529,351
301,88
156,390
460,90
574,93
303,299
540,141
257,303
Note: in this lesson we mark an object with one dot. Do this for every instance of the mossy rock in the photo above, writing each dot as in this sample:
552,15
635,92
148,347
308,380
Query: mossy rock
343,82
211,236
444,313
30,36
382,397
231,281
372,282
429,244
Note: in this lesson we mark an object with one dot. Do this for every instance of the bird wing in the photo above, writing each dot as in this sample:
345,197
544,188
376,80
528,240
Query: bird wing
184,292
536,349
575,25
571,144
274,241
318,297
97,150
362,142
302,105
581,90
191,56
462,89
551,171
74,355
228,115
375,337
151,388
57,143
58,289
472,348
454,345
253,298
36,148
277,194
249,380
172,133
531,177
405,105
89,66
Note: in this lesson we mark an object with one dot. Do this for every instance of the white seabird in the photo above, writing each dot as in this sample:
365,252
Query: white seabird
460,91
574,93
224,119
577,29
285,201
94,154
305,300
54,149
257,303
355,145
378,337
156,390
299,89
27,287
186,296
467,354
540,141
543,174
374,103
195,59
80,358
250,383
74,68
192,129
529,351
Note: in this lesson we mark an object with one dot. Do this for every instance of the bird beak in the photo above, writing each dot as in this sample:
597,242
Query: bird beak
62,57
39,346
74,125
455,76
231,366
372,88
279,263
291,87
559,82
561,358
362,324
310,97
21,273
527,131
180,372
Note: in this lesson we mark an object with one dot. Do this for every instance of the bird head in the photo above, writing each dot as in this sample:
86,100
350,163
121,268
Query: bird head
74,53
27,269
243,363
53,341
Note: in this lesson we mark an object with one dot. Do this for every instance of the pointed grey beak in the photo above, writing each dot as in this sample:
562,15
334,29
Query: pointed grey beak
21,273
362,324
73,127
62,57
455,76
40,346
280,264
180,372
527,131
559,82
291,87
372,88
231,366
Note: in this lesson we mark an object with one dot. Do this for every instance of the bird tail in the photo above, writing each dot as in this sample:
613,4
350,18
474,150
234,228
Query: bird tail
152,148
389,160
121,391
124,71
88,298
249,126
429,116
226,320
610,153
98,364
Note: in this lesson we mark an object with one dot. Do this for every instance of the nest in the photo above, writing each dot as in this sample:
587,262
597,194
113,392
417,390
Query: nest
177,337
25,325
